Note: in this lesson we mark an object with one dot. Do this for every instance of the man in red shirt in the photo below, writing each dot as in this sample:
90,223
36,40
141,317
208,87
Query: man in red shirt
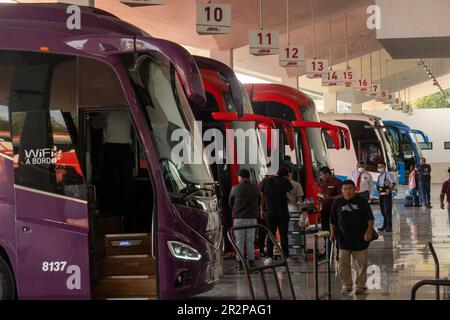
446,192
330,189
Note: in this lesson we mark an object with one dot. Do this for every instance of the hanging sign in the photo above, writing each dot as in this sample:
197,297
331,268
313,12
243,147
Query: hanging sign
133,3
315,68
362,84
374,90
292,56
389,98
348,77
330,78
263,42
381,96
213,18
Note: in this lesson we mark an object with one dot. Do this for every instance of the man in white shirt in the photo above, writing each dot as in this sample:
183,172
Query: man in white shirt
363,181
118,159
385,185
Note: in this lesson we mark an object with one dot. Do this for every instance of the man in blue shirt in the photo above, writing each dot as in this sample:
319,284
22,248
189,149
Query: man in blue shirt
385,185
425,183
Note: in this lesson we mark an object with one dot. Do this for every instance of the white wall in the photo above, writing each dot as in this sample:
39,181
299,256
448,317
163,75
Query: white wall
435,123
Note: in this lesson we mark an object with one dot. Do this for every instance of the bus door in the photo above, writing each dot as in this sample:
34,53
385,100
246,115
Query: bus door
51,208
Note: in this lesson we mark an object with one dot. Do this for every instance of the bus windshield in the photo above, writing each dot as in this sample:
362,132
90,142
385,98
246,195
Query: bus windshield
389,152
318,151
163,98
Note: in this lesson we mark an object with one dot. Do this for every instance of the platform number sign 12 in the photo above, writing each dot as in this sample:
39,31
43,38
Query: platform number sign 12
292,56
213,18
133,3
315,68
263,42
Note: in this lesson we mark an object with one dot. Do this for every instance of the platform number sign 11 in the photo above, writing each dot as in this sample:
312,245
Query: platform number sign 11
292,56
263,42
315,68
213,18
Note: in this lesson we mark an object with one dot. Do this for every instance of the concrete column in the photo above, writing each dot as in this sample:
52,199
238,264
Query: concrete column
356,107
225,56
290,82
330,102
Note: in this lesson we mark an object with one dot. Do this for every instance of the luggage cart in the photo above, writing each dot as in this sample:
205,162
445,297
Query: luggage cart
322,235
249,270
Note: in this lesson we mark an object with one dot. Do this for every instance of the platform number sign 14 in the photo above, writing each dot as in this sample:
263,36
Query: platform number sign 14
315,68
263,42
292,56
330,78
213,18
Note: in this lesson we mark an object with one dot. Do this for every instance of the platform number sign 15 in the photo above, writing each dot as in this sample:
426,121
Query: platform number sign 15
348,78
292,56
213,18
263,42
315,68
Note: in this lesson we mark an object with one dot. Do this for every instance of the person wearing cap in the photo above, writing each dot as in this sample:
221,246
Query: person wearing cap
275,191
445,191
245,200
363,181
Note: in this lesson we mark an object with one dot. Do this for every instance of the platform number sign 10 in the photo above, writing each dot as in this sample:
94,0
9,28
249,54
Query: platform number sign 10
292,56
315,68
263,42
135,3
213,18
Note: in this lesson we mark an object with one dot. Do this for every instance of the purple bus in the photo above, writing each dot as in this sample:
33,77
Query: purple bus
79,218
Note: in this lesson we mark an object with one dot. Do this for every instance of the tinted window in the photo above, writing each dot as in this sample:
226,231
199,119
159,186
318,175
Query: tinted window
44,154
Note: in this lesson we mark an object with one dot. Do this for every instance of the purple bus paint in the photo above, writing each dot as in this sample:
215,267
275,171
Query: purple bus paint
29,27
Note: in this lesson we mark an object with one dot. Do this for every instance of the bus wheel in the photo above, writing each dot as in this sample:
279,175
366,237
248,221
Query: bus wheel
7,285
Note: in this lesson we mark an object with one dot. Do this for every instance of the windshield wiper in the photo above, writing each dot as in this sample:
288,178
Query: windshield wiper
192,193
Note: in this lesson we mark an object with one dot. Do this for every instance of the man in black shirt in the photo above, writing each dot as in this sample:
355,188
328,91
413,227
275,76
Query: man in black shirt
274,190
424,182
245,200
352,224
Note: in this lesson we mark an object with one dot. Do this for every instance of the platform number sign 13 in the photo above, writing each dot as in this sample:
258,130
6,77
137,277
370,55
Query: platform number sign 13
263,42
315,68
213,18
292,56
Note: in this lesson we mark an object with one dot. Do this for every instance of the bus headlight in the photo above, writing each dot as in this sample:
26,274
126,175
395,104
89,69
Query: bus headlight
183,251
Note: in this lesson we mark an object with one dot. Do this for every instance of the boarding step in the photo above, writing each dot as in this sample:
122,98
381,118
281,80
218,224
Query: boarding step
139,264
125,287
127,243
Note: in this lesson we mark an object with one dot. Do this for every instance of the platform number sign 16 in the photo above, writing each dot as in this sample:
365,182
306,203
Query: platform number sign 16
263,42
316,67
213,18
292,56
362,84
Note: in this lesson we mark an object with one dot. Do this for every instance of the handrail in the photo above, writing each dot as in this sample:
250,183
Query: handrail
428,282
249,269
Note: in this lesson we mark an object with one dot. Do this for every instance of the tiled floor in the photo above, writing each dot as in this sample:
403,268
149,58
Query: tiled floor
396,261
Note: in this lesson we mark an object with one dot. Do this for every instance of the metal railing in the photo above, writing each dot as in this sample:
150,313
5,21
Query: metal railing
249,270
322,235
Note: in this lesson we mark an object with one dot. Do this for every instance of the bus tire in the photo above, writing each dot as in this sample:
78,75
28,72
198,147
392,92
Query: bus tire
7,283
